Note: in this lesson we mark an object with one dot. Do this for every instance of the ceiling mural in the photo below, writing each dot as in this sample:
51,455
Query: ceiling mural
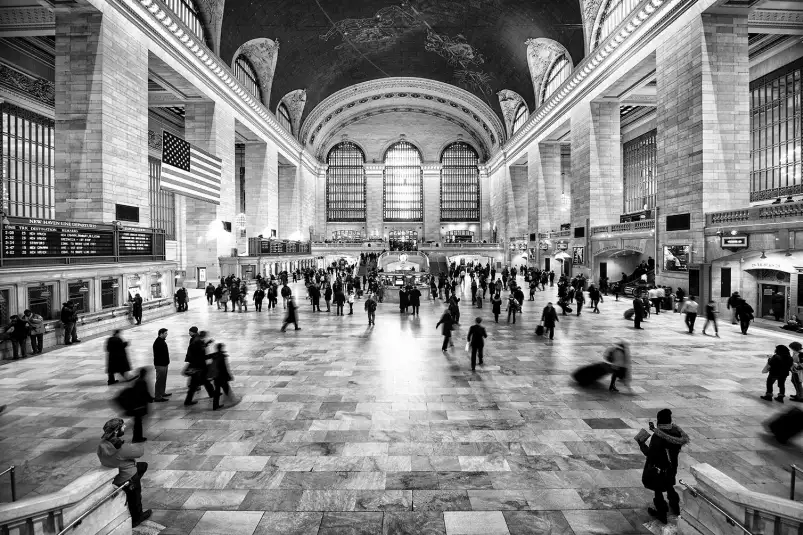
477,45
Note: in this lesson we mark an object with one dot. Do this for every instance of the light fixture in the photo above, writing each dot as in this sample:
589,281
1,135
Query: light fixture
763,256
115,285
733,233
84,288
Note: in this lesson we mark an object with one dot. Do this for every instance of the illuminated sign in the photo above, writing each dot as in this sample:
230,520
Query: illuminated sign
733,242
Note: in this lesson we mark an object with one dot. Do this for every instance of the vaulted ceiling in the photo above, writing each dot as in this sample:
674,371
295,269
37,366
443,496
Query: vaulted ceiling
328,45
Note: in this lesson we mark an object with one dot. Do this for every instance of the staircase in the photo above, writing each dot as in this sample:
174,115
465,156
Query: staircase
148,527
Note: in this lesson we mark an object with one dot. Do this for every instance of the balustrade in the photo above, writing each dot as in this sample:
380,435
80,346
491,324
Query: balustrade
755,214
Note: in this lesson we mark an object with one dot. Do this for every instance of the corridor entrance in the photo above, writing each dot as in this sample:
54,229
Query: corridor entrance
403,240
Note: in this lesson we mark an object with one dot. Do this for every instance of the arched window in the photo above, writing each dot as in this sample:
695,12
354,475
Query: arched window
283,115
614,13
559,73
522,114
460,183
403,192
246,75
345,183
640,170
187,12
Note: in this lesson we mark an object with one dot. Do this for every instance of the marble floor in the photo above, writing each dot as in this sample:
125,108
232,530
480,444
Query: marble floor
346,429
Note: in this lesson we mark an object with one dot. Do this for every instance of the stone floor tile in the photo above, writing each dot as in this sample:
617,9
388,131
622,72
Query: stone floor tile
475,523
351,523
275,523
227,523
595,522
537,523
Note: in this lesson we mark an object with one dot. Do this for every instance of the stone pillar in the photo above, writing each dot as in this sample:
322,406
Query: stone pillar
519,207
101,109
544,189
703,123
596,164
289,203
258,168
374,177
485,205
320,203
210,127
432,202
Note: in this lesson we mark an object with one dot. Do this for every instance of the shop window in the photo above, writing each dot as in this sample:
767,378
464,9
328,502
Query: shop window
40,300
5,306
78,293
156,290
676,257
108,293
725,282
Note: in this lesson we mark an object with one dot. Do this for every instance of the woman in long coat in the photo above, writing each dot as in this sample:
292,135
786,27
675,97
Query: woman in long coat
117,360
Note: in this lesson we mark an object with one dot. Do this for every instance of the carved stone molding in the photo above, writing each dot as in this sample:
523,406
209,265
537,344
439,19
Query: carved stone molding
27,19
509,101
775,19
541,53
590,13
211,13
37,88
262,53
363,93
295,101
155,140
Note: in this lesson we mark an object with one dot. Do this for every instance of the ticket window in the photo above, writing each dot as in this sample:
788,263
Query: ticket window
157,286
134,287
5,306
78,294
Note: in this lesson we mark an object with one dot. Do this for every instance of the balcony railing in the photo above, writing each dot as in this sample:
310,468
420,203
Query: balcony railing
459,245
758,214
372,244
622,228
259,247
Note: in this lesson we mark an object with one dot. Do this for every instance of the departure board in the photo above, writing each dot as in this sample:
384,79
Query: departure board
46,239
136,243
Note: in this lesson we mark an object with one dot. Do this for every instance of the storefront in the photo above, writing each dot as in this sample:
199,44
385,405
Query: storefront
614,257
770,281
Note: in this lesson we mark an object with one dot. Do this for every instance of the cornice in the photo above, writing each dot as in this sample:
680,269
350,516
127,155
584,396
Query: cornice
152,17
656,13
39,89
413,88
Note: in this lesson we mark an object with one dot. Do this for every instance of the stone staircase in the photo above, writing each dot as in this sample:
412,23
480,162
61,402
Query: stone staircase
657,528
149,527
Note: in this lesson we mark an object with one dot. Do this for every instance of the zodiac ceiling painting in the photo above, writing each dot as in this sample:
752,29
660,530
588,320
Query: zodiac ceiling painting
328,45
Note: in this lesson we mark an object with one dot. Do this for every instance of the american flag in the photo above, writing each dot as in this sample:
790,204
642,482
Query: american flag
189,171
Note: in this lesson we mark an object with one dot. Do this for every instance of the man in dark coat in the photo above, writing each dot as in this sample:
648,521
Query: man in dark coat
161,360
744,313
414,297
315,297
340,300
778,305
210,293
448,324
292,314
136,308
403,301
662,453
196,366
259,296
549,317
476,339
69,319
638,312
117,361
19,336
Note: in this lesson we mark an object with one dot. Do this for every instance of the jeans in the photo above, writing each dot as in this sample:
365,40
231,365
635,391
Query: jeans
161,381
691,317
656,302
513,313
70,334
579,308
475,351
209,298
781,385
371,317
714,321
797,384
339,310
328,305
672,496
133,492
36,342
258,305
19,346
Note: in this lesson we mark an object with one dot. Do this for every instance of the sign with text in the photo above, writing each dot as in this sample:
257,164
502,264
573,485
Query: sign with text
136,244
733,242
43,239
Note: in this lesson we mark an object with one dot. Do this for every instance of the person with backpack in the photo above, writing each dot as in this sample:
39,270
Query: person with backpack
778,366
370,308
661,466
512,308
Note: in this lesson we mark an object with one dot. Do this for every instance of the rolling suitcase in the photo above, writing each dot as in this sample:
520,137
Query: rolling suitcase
629,313
787,425
539,331
591,373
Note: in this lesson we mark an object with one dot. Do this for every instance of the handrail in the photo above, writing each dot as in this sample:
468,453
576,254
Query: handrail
795,470
14,481
728,518
92,509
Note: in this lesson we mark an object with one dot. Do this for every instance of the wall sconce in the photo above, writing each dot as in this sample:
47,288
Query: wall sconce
45,291
115,285
84,288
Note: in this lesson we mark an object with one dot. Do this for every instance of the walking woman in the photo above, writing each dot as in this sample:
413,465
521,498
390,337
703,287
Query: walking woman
711,316
496,306
222,376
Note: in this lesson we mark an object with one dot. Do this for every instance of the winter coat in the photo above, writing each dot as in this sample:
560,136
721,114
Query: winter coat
638,309
414,296
549,317
37,324
496,305
123,458
161,354
221,367
663,451
780,365
117,355
477,335
447,322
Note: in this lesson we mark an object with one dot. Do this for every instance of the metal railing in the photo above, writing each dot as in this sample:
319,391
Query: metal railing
10,470
728,518
795,470
630,226
94,508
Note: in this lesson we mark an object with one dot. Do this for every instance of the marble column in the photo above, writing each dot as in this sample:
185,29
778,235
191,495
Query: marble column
101,110
289,202
210,127
544,189
432,202
374,177
261,187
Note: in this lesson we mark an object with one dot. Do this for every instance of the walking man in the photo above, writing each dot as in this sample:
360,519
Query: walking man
711,316
161,360
448,324
196,366
690,308
370,307
292,313
476,339
549,317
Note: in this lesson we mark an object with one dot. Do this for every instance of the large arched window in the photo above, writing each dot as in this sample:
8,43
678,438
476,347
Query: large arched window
187,12
460,183
403,193
283,116
640,170
522,114
246,75
615,11
559,73
345,183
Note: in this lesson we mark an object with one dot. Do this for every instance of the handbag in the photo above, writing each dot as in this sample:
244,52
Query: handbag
654,477
539,331
468,347
766,368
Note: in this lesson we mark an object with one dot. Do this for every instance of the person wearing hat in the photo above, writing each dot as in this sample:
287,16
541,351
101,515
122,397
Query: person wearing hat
161,360
778,366
797,371
661,466
113,452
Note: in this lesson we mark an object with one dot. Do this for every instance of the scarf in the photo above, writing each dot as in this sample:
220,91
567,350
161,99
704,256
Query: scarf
662,429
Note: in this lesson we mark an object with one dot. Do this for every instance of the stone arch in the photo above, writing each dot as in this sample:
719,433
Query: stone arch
262,53
446,145
211,13
545,80
333,144
295,101
402,137
541,54
510,102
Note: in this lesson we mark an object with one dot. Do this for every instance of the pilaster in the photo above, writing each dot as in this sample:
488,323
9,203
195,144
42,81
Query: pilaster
289,202
432,201
374,178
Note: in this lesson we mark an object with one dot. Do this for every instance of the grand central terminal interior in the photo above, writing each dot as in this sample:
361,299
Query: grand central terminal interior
514,267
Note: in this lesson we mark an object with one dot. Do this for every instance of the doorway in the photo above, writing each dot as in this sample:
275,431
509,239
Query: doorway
603,270
767,294
546,263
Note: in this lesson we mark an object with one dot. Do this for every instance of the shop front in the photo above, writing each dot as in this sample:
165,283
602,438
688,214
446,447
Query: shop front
770,281
614,257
